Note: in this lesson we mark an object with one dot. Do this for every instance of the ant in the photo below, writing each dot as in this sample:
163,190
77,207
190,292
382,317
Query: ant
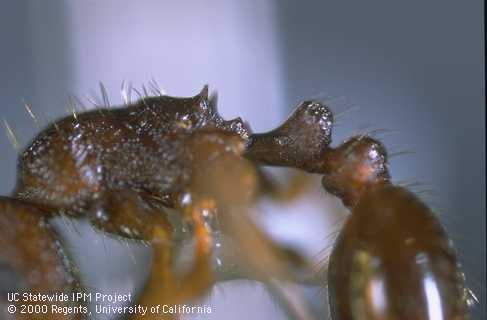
122,168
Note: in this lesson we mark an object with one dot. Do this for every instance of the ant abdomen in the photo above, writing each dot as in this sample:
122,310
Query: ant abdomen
393,260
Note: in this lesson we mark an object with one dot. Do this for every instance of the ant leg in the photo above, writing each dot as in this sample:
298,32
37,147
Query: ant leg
127,214
231,182
32,261
265,260
199,279
263,257
163,286
131,215
134,215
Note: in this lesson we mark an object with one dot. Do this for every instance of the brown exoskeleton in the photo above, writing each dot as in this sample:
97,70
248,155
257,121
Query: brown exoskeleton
123,167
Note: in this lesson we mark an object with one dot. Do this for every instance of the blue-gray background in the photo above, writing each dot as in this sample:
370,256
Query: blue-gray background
416,67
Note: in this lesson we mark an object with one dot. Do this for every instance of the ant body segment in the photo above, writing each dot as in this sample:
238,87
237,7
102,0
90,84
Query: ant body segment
122,168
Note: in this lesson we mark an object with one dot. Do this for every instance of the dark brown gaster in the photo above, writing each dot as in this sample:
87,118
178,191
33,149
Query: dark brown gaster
393,260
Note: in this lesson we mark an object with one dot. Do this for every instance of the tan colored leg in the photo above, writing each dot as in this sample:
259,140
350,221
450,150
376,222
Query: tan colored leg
163,286
32,261
222,175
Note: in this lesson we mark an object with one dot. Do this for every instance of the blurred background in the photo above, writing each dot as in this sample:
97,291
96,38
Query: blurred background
415,68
